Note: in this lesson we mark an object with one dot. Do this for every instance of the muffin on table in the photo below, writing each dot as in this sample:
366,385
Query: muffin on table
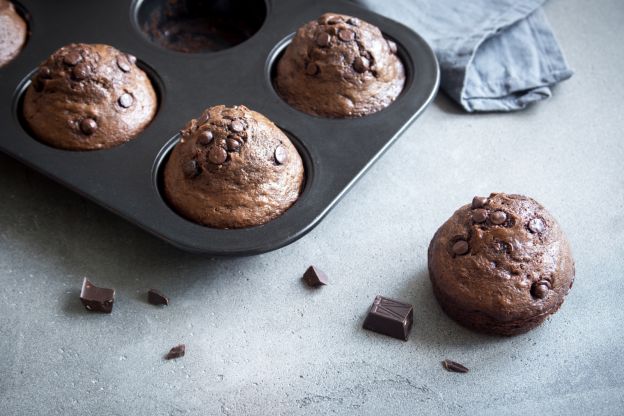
501,264
89,97
340,67
232,168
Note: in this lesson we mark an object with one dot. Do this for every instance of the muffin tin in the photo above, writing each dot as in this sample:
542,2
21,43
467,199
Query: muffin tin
126,179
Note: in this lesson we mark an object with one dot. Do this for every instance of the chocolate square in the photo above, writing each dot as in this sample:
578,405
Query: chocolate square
96,299
390,317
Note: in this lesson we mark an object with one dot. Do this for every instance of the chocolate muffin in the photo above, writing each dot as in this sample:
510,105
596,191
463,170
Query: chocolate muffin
13,32
339,66
87,97
500,265
232,168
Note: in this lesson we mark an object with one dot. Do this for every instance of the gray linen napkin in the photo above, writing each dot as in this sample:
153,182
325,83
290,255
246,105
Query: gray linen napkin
495,55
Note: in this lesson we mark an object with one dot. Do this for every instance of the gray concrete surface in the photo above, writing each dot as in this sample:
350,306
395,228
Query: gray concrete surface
260,343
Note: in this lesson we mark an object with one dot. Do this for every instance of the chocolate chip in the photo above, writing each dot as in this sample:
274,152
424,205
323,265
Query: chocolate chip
281,155
334,20
72,58
88,126
479,201
156,297
217,155
314,277
393,46
540,289
96,299
498,217
191,169
237,126
205,116
205,137
479,215
461,247
353,21
346,35
80,71
360,64
536,225
125,100
454,367
123,64
323,39
233,145
176,352
44,72
312,68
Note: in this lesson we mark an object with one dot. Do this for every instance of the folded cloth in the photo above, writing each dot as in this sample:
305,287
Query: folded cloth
495,55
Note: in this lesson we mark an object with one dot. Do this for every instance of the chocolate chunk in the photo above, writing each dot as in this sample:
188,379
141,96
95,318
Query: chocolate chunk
233,145
479,215
315,277
96,299
217,155
334,20
498,217
281,155
88,126
353,21
123,64
72,58
393,46
80,71
191,169
454,367
237,126
346,35
156,297
536,225
323,39
125,100
390,317
176,352
479,201
360,64
540,289
312,69
205,137
461,247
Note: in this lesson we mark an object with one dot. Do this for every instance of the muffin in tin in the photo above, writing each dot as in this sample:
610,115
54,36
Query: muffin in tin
500,265
13,32
232,168
88,97
340,67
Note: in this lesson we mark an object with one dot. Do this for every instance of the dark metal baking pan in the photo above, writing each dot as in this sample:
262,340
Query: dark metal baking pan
125,179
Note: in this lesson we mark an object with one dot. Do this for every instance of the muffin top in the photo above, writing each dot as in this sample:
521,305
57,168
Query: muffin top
13,32
89,96
340,66
232,168
504,256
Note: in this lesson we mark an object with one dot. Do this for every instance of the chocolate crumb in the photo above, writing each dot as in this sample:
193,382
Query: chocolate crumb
176,352
156,297
454,367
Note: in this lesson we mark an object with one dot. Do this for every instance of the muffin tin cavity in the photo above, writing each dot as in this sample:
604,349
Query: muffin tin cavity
197,26
163,156
278,52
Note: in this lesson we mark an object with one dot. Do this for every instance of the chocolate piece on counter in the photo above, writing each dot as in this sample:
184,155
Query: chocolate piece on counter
315,277
176,352
454,367
390,317
96,299
156,297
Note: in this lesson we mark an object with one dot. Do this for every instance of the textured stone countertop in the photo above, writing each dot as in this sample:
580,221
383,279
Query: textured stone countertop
260,342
